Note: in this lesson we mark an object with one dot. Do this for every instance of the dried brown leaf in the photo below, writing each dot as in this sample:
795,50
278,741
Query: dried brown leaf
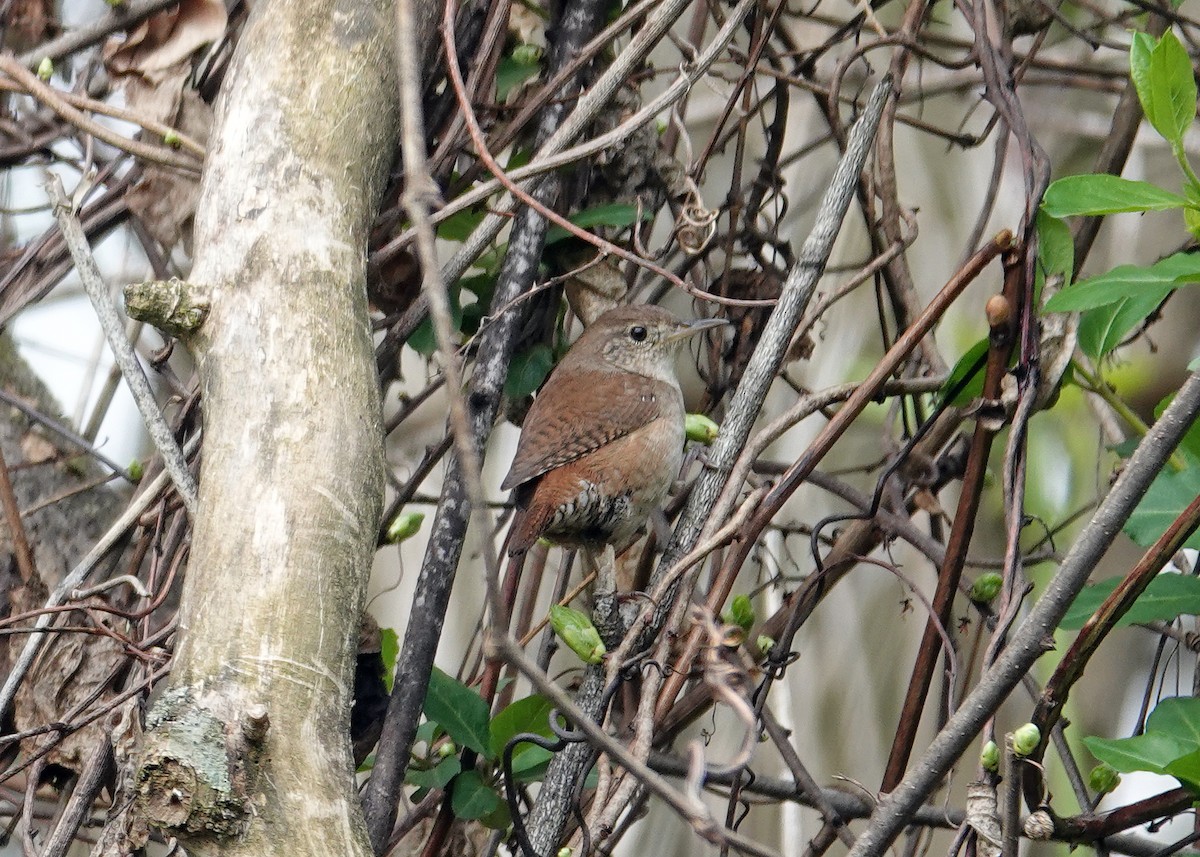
167,39
73,671
165,199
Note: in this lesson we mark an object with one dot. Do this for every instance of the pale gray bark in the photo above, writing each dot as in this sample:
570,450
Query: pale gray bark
248,751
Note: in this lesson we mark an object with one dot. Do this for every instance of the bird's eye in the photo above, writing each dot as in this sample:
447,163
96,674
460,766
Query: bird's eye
637,333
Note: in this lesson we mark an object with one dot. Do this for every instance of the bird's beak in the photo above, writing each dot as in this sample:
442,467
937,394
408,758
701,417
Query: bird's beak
693,327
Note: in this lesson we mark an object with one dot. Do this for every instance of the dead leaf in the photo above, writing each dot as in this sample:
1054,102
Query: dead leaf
73,670
165,199
167,39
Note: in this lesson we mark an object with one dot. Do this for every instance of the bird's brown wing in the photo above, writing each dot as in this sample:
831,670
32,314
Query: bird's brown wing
602,410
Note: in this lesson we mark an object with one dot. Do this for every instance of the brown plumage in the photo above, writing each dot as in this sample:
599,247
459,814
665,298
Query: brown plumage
604,439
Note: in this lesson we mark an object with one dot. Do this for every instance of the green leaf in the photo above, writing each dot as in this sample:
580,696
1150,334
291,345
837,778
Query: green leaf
472,798
1169,494
498,819
528,370
460,225
531,714
426,733
435,777
1104,194
1140,50
529,762
389,648
1128,281
1191,220
1150,752
1168,597
1056,248
970,364
575,628
1178,716
1186,769
511,72
613,214
459,710
1165,84
1103,329
1170,745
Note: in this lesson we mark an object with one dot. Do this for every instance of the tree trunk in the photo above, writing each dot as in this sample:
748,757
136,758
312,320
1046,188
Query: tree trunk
248,750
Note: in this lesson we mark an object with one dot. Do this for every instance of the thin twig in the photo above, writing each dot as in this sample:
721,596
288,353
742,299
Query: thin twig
123,353
125,16
53,99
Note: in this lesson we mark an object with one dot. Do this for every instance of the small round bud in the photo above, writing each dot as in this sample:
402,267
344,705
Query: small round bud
171,138
565,851
1103,778
135,470
989,757
1026,739
446,750
1039,826
45,69
764,643
404,526
998,311
986,587
700,429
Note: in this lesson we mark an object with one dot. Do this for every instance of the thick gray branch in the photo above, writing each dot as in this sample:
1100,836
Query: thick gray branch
247,752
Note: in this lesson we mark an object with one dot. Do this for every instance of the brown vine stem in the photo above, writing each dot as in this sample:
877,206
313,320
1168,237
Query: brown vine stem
16,529
82,102
1001,318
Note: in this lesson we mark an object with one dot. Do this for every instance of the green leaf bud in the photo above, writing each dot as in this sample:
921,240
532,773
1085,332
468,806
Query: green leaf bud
989,758
740,613
1103,778
45,69
1026,739
404,526
700,429
526,54
986,587
577,631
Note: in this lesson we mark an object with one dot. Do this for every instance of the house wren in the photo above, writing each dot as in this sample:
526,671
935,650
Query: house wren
603,440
